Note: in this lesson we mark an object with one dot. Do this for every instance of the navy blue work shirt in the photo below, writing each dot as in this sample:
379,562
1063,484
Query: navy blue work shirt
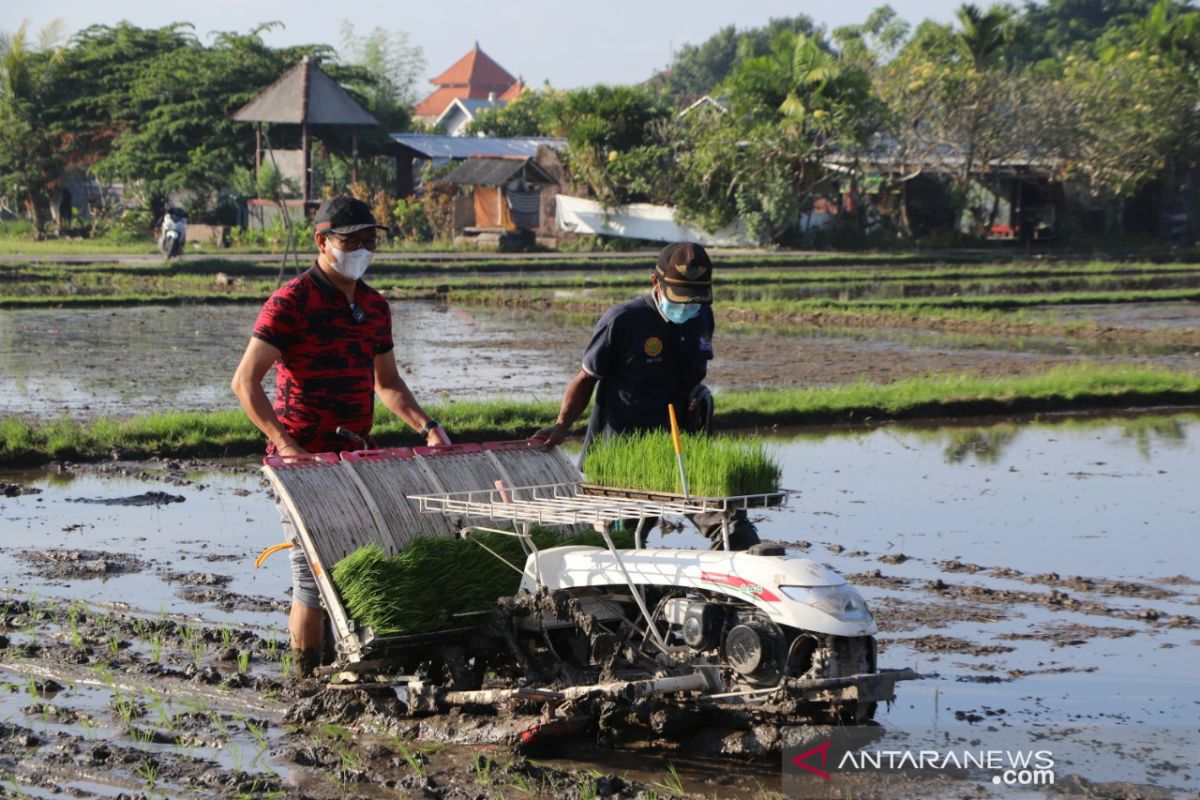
644,362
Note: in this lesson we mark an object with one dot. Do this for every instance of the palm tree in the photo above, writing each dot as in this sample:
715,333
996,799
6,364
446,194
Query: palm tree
811,71
984,34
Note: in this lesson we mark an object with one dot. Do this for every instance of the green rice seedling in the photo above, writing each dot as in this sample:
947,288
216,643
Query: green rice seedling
148,771
716,466
672,784
114,643
285,664
187,634
104,674
73,621
258,731
235,756
243,661
483,771
423,588
89,726
126,707
156,646
523,784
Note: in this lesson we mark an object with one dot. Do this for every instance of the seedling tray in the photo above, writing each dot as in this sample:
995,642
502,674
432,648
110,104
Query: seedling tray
765,500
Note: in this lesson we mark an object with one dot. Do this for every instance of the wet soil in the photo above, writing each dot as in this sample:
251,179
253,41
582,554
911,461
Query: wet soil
450,352
171,677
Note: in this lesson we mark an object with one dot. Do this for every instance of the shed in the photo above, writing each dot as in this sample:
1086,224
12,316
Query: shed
507,192
410,147
305,96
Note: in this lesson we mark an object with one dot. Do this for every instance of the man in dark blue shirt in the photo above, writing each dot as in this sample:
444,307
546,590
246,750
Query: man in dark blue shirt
649,352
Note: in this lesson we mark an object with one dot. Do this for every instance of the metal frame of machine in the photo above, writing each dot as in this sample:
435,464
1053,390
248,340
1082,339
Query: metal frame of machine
580,592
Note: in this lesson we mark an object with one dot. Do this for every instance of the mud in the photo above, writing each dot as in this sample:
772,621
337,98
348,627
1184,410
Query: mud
143,499
61,564
178,673
154,707
447,352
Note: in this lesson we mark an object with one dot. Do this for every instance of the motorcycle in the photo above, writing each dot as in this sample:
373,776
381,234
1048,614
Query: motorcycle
173,233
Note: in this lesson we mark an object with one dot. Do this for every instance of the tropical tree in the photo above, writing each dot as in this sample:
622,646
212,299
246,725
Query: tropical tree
761,163
531,113
875,41
30,163
391,65
1132,107
612,146
958,104
983,36
698,69
181,99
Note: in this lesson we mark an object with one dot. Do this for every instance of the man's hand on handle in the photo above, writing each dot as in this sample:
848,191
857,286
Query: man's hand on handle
553,436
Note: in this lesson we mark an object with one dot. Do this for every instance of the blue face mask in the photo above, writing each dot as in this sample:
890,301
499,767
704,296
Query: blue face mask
678,313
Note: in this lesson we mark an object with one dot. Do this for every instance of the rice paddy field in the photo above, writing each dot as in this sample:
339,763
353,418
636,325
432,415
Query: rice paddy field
1038,570
77,334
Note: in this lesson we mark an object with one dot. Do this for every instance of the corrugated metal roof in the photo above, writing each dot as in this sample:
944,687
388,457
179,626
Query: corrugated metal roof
497,172
305,94
427,145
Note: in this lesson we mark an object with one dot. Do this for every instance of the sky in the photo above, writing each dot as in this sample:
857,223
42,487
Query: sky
567,43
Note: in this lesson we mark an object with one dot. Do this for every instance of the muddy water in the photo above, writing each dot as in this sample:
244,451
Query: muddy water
891,290
1128,315
1042,576
128,361
89,362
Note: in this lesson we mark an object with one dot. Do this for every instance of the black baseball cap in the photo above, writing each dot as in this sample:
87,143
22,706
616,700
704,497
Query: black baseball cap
344,215
685,273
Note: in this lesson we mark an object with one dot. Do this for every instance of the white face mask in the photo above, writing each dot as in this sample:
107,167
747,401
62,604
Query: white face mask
351,264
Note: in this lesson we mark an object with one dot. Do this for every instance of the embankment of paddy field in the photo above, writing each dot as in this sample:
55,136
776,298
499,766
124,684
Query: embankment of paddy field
229,433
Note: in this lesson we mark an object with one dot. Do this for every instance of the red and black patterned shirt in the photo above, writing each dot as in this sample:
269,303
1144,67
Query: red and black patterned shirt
325,374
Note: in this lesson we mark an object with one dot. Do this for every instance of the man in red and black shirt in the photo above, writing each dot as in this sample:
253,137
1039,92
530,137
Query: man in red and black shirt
329,336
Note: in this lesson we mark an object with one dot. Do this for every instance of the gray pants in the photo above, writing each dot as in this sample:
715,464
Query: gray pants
304,585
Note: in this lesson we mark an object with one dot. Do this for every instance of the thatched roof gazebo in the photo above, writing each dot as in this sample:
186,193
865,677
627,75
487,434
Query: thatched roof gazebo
305,96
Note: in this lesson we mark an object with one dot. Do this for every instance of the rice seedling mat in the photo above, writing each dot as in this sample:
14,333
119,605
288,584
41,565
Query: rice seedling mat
716,466
577,504
342,503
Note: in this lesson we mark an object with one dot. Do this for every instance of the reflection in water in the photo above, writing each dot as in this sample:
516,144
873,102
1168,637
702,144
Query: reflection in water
987,444
1145,431
984,444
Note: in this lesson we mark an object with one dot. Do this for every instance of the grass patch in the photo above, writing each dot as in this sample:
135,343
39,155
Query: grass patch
392,596
1062,388
229,433
717,466
749,290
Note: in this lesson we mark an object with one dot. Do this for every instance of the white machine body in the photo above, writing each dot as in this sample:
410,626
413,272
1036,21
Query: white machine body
793,592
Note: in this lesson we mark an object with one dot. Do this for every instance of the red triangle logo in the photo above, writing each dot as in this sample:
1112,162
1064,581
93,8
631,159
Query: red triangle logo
801,760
